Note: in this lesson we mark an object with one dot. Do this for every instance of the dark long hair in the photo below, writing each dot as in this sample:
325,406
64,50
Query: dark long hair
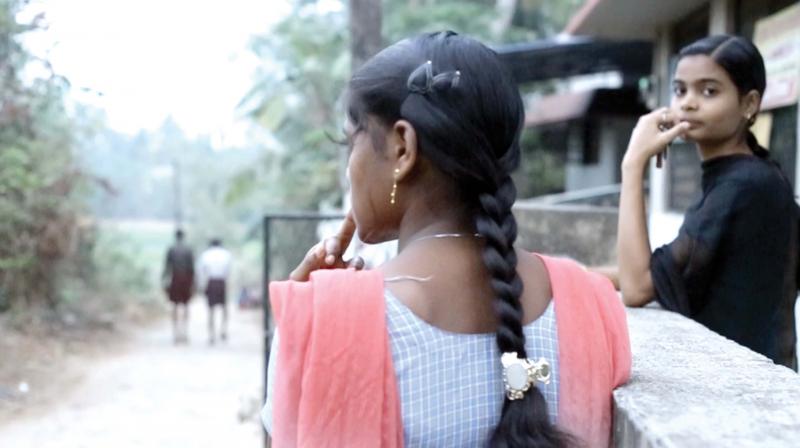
468,115
743,63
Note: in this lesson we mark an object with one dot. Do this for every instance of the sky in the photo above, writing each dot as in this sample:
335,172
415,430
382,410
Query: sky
145,60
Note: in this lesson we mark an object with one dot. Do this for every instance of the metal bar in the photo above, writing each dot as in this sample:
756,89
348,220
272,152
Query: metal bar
267,234
267,311
303,215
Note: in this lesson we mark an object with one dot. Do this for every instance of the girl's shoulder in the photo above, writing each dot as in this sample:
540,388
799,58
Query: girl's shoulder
750,180
754,172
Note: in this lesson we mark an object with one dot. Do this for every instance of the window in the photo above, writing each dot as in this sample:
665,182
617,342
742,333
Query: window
783,140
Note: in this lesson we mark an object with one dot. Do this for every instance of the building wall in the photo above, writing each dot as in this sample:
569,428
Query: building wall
613,134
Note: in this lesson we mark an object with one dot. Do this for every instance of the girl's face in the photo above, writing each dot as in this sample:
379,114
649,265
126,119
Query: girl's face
371,178
706,97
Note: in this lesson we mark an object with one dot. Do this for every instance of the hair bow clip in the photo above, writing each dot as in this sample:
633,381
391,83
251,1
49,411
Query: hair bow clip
427,69
520,373
447,80
417,84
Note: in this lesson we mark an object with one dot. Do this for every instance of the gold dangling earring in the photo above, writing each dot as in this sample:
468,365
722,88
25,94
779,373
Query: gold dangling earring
394,187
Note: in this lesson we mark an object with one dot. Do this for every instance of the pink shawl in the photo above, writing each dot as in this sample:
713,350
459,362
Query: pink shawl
594,352
337,386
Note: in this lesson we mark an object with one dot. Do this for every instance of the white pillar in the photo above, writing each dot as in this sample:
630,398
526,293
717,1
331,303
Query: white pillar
721,17
797,168
661,58
663,224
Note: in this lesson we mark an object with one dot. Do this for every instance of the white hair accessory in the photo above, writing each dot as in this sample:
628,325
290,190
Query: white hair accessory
520,373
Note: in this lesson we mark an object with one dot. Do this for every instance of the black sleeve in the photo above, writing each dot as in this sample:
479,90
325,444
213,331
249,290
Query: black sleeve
681,270
668,282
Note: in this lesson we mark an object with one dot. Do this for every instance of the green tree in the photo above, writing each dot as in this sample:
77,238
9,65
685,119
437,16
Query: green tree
306,62
39,207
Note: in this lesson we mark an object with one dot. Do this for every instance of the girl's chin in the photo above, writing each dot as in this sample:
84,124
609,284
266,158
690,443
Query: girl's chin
368,236
695,135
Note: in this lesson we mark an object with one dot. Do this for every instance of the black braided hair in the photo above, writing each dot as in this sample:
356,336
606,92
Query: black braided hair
468,115
743,63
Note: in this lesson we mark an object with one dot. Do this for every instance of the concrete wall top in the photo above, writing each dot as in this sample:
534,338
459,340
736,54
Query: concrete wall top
584,233
691,387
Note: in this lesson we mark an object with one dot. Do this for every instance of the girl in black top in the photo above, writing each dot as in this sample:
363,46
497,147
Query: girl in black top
733,266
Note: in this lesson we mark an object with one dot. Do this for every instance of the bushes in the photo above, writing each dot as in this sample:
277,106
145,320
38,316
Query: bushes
39,183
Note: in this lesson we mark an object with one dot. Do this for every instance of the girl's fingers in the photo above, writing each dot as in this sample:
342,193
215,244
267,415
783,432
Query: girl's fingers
311,262
659,127
347,230
330,257
356,263
327,254
674,132
336,245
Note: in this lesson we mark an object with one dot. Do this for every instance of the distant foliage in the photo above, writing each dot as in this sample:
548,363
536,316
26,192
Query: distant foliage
306,65
39,207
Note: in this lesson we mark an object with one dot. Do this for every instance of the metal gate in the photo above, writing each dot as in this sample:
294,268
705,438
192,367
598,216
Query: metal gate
287,238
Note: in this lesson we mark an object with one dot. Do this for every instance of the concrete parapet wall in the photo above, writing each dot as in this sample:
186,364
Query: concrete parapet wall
691,387
584,233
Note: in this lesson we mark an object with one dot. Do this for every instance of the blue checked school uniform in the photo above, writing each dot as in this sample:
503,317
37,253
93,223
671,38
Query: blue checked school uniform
450,384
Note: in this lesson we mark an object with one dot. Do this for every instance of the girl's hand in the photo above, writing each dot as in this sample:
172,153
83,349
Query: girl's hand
327,254
652,134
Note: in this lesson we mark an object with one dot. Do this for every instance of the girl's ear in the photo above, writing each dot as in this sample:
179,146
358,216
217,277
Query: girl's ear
402,147
751,103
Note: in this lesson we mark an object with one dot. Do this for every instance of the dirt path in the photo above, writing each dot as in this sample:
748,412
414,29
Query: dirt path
156,394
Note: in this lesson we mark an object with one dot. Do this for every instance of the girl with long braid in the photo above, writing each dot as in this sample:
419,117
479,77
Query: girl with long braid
461,339
733,266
